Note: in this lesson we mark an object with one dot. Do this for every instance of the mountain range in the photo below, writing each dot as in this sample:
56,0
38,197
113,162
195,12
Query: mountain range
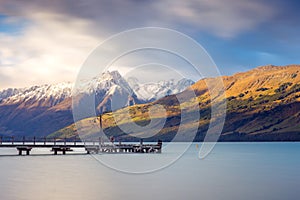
263,104
43,109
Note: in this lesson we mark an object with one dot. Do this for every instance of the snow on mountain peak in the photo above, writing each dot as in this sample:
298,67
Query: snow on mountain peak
155,90
49,94
108,83
102,82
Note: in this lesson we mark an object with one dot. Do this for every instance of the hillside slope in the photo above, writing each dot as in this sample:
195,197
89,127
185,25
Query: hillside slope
262,105
43,109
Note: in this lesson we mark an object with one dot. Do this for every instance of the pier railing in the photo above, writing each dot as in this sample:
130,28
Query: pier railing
65,144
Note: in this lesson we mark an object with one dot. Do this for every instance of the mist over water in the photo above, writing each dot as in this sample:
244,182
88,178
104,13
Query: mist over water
247,171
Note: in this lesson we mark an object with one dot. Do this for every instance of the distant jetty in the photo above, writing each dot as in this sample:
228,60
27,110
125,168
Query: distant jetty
64,145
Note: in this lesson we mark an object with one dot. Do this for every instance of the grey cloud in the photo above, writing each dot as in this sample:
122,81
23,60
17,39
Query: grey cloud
222,18
61,33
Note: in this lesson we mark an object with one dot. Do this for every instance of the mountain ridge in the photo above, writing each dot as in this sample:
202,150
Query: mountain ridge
262,105
40,110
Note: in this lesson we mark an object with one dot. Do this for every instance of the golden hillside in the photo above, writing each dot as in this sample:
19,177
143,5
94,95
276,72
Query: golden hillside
262,104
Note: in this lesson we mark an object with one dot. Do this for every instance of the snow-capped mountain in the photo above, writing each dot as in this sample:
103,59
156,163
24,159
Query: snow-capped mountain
156,90
9,92
43,96
40,110
108,84
111,92
102,82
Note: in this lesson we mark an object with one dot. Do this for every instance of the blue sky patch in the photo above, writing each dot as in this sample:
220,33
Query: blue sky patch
11,25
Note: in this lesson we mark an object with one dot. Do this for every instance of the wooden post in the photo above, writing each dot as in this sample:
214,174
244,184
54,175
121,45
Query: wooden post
65,142
0,139
12,139
34,140
100,121
23,140
159,143
54,140
45,140
75,141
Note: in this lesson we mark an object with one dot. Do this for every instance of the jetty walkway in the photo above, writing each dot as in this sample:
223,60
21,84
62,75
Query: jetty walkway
56,145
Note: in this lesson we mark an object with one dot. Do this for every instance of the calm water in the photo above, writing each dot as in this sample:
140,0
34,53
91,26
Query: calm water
266,171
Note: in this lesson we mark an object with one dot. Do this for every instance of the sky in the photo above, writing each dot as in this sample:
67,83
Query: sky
44,41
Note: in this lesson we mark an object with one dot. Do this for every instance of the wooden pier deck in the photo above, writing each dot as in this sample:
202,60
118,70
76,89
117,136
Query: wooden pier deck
67,145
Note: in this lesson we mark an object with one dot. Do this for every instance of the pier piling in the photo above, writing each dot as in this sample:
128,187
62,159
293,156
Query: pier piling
63,145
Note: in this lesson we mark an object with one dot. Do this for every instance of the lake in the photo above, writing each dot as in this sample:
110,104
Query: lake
241,171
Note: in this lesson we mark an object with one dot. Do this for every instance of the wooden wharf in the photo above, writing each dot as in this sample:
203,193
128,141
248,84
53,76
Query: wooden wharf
67,145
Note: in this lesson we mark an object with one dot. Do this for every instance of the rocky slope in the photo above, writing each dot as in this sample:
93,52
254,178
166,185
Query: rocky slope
262,105
154,91
40,110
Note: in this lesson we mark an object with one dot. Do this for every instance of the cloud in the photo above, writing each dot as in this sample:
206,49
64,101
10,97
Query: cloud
59,34
222,18
48,51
